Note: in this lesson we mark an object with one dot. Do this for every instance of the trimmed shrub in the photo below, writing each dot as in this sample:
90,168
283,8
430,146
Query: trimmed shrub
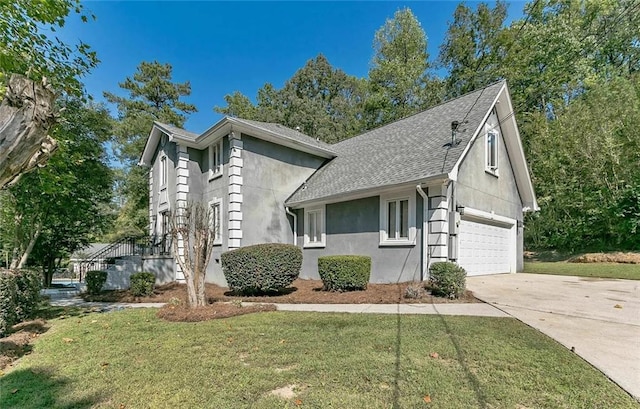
142,284
95,279
344,273
261,267
8,290
28,286
447,279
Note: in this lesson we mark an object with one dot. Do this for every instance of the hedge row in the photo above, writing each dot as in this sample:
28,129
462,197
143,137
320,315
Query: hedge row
19,296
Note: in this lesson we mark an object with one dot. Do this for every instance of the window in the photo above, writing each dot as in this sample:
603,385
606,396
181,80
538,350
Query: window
397,220
215,160
163,170
216,220
165,234
492,151
314,227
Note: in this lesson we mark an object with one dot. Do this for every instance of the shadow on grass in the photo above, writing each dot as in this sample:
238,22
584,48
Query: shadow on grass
40,388
462,360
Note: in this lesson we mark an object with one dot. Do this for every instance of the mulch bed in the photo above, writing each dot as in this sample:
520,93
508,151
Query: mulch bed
300,292
18,343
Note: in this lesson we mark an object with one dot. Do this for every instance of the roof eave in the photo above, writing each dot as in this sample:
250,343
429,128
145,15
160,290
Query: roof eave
367,192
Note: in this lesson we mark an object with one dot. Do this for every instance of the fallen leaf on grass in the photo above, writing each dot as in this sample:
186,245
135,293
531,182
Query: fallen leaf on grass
122,406
67,340
13,392
282,341
297,402
617,306
434,355
427,398
104,364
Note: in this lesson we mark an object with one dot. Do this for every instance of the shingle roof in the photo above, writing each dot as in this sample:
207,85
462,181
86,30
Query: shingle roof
177,131
287,133
411,149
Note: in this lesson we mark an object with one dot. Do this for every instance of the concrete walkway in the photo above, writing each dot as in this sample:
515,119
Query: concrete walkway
598,318
472,309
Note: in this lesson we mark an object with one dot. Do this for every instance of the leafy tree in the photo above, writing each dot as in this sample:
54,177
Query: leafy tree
322,101
472,51
57,209
152,96
25,47
191,225
399,79
586,171
33,63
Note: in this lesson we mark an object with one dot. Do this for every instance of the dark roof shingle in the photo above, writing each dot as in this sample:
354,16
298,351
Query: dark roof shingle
411,149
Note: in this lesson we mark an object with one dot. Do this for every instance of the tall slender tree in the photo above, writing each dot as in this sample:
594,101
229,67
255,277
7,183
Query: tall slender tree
399,79
151,96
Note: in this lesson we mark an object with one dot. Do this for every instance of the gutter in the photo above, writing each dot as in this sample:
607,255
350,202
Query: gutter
425,227
295,224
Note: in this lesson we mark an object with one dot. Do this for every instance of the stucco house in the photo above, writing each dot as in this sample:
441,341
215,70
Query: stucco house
449,183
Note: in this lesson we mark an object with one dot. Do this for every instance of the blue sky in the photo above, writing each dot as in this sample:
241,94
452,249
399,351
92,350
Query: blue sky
221,47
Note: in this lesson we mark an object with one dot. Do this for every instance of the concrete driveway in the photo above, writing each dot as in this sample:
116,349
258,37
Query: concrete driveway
599,318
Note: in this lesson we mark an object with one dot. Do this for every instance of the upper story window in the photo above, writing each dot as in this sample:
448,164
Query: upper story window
491,152
215,160
397,219
314,227
163,170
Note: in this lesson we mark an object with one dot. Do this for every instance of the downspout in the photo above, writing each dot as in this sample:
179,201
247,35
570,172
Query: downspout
425,227
295,224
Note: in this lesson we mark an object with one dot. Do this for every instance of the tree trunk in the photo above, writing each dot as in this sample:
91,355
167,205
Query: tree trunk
26,115
27,251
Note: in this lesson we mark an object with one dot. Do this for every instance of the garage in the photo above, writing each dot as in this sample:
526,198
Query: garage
486,246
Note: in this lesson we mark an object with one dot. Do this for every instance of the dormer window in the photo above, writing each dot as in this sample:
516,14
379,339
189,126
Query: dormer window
215,160
491,152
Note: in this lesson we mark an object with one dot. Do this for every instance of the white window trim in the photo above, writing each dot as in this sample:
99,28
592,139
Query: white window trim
493,170
217,172
323,236
217,241
164,171
384,236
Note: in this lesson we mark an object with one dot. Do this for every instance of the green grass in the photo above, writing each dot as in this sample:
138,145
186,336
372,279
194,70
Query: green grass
132,358
601,270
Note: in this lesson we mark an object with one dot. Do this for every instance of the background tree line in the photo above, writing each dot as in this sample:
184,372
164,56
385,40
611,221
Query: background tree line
572,69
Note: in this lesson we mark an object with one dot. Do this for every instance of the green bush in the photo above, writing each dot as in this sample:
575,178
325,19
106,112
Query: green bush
19,296
28,286
262,267
142,284
447,279
344,273
8,290
95,279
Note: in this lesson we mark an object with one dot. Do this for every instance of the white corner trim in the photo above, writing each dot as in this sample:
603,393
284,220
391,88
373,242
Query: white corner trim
235,190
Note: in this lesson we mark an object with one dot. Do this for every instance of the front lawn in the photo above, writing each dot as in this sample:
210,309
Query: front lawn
601,270
132,359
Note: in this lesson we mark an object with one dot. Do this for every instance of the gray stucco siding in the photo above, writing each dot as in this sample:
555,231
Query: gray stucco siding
353,227
481,190
270,174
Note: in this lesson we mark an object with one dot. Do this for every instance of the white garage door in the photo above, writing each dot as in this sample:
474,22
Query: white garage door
485,248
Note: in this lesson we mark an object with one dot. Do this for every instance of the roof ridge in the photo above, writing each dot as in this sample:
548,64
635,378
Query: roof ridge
480,90
279,125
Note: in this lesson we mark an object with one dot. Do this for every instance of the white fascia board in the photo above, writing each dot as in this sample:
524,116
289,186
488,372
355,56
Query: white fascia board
511,138
150,146
227,125
454,171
